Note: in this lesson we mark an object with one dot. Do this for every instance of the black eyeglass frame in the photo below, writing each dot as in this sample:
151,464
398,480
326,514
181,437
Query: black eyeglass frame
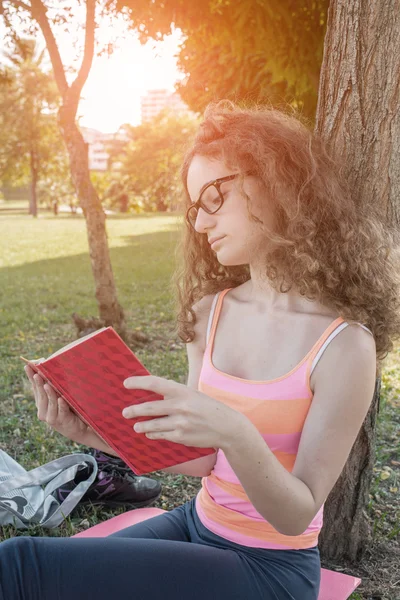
198,204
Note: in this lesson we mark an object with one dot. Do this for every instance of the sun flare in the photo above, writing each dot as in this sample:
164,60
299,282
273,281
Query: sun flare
116,83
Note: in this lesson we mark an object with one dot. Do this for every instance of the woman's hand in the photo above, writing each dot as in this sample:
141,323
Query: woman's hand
56,412
186,416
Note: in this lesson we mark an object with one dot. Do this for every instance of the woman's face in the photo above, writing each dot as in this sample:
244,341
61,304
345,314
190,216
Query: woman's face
231,223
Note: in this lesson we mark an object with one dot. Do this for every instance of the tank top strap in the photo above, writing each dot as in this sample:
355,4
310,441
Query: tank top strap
214,315
316,351
326,338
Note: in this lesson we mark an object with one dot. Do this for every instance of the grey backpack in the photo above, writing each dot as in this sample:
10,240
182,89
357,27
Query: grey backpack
24,502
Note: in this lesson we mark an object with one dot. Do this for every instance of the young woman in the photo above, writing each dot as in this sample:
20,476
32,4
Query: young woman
288,297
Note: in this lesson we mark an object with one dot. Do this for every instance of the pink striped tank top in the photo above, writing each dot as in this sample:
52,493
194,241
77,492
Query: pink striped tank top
278,408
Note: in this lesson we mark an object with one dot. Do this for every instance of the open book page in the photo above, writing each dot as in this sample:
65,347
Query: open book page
71,345
76,342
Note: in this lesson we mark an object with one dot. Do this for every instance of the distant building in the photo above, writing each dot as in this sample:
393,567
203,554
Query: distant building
98,152
156,100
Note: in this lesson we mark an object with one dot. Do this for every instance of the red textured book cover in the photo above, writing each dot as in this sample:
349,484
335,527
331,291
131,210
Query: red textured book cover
90,376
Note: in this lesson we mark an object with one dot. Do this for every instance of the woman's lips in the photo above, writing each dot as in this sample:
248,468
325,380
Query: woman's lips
217,241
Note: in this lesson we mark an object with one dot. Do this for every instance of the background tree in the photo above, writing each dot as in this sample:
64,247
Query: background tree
31,141
149,162
55,185
241,49
38,15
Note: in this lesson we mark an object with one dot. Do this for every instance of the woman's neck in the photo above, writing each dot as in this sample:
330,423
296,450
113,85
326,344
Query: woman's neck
267,299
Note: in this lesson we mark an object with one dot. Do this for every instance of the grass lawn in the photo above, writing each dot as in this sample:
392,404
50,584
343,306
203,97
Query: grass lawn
45,276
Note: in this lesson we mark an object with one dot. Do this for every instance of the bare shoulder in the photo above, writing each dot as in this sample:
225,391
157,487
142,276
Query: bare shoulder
355,339
353,348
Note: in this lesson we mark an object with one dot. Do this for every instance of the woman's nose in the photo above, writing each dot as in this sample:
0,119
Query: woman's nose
203,220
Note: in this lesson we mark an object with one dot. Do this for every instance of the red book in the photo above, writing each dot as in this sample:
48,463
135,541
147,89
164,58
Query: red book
89,374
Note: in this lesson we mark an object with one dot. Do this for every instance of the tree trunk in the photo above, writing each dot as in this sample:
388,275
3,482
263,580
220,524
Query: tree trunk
110,311
33,184
109,308
358,116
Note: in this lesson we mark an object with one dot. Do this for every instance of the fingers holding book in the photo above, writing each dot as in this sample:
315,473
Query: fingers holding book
53,404
89,418
189,417
31,376
55,411
46,398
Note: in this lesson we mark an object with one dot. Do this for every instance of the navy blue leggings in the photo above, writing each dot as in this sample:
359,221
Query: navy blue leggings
168,557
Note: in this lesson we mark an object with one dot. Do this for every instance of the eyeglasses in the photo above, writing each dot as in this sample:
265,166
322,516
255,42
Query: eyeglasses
213,203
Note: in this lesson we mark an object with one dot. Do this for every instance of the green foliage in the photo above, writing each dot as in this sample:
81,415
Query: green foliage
249,51
30,139
102,180
149,163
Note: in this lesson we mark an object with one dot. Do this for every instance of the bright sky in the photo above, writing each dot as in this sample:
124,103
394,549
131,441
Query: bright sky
112,92
111,95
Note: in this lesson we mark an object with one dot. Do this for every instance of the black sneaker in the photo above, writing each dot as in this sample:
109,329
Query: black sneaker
115,485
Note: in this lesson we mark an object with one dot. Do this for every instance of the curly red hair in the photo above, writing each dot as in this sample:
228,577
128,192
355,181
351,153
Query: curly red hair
328,245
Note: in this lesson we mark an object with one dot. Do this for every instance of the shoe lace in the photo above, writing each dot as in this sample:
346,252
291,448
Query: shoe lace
117,472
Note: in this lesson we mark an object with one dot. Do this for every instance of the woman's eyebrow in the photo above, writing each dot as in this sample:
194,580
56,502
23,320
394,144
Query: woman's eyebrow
201,191
204,187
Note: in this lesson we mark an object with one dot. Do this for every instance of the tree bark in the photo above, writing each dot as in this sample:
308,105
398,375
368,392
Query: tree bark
358,103
109,308
358,116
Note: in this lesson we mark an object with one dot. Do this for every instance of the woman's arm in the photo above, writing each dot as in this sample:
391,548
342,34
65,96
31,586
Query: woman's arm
199,467
343,393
